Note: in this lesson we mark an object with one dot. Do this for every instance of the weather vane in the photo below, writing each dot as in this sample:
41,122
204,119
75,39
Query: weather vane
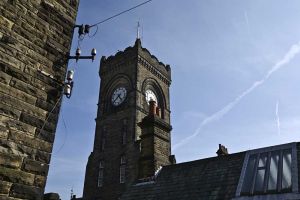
138,30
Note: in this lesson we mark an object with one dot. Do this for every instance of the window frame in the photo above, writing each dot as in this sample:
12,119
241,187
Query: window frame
269,150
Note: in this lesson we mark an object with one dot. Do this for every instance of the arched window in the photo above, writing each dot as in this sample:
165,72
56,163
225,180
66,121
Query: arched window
152,87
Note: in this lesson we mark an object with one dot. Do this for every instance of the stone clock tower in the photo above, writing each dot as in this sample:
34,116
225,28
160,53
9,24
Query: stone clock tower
127,147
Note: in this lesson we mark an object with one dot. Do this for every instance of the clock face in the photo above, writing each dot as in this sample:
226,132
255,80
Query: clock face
118,96
150,95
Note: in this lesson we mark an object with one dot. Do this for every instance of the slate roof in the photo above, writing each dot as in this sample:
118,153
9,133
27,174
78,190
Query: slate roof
207,179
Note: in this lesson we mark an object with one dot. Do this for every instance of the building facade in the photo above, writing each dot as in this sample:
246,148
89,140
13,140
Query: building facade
131,81
35,37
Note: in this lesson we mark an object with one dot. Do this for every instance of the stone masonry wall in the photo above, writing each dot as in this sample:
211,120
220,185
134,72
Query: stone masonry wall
35,36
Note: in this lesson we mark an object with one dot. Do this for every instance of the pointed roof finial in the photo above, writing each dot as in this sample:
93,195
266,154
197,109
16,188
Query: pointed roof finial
138,30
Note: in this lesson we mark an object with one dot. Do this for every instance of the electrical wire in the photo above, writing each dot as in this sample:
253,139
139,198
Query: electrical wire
80,40
55,105
116,15
66,135
90,36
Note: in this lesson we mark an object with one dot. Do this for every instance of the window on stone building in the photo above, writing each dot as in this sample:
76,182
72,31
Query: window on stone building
124,131
100,174
122,169
269,171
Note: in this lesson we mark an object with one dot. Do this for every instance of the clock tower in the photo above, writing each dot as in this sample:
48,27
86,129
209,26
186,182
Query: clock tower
127,141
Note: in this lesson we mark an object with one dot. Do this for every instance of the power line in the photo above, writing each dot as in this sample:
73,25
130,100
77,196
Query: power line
120,13
47,118
66,135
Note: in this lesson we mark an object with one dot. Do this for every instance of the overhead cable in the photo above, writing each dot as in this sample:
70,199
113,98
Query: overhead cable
120,13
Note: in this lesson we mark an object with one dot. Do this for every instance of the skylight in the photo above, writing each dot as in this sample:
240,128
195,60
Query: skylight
270,170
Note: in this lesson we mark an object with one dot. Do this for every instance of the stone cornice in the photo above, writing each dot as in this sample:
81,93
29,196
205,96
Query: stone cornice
154,70
153,120
108,68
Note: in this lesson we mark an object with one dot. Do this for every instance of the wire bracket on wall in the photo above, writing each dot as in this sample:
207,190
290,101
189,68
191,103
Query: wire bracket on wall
83,29
79,57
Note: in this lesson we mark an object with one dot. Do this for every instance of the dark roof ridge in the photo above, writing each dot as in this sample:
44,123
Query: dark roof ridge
206,159
229,155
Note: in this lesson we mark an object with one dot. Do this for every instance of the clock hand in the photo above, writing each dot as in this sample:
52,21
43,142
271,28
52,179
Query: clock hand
119,96
115,99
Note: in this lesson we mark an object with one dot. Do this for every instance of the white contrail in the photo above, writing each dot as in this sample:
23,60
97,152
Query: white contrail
294,50
277,117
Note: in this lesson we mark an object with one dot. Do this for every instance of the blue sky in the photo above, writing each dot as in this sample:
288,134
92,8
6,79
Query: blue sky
235,77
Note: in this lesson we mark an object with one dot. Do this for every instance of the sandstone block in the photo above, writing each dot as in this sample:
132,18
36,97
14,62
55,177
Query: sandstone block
5,78
23,106
26,192
4,132
28,89
6,23
12,148
5,197
45,135
27,140
46,106
11,61
10,160
42,156
35,167
31,120
40,181
4,187
16,125
14,72
9,111
16,176
17,94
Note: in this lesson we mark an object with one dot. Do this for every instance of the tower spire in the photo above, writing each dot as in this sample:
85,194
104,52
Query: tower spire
138,30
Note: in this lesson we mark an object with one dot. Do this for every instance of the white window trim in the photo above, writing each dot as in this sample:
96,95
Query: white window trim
279,196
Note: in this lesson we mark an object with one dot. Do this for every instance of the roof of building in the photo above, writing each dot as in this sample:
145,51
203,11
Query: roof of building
210,178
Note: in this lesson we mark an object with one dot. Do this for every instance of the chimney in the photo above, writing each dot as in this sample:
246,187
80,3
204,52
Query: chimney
155,143
158,111
222,151
152,107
